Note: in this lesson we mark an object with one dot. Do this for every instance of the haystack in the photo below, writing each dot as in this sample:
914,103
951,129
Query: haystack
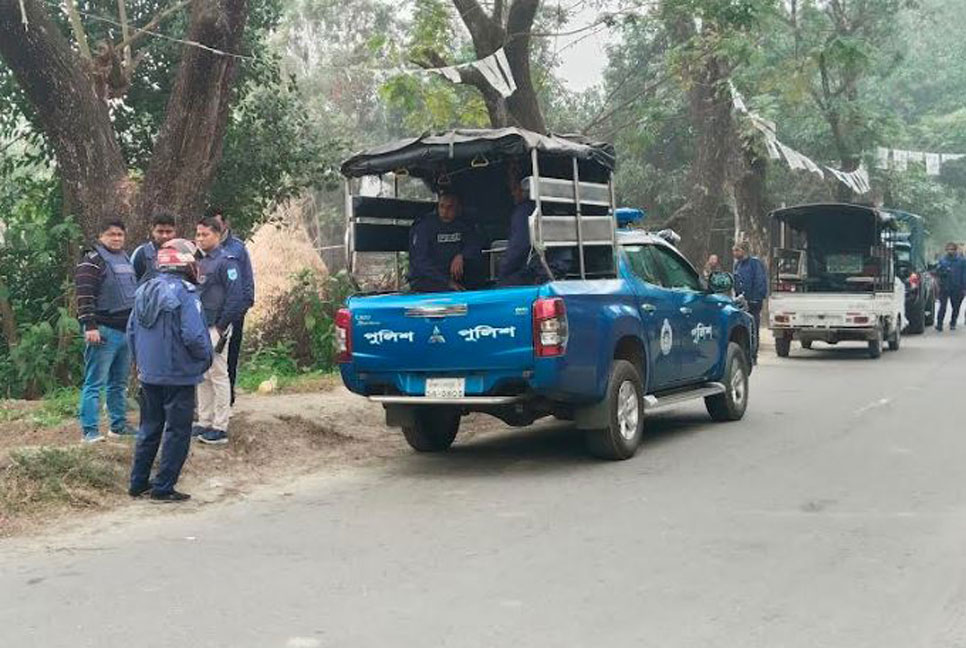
280,249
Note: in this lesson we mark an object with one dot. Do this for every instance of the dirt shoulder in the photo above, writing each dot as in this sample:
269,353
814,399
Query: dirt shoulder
48,478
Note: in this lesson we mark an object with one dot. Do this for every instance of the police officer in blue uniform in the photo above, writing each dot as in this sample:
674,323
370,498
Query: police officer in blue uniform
105,285
144,258
223,302
951,272
170,342
445,251
520,265
236,247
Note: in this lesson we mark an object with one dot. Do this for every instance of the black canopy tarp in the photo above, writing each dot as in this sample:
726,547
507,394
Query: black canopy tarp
424,156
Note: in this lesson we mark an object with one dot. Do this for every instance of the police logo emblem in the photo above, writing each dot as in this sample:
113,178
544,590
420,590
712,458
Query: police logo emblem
232,274
667,338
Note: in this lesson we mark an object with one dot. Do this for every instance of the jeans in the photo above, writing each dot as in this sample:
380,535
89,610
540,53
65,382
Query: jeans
166,412
234,350
955,299
106,365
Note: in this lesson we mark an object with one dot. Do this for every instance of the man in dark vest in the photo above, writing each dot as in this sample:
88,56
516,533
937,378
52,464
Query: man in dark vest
145,256
236,248
105,295
222,293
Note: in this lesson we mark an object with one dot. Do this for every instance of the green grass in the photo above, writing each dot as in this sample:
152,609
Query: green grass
250,377
37,477
56,408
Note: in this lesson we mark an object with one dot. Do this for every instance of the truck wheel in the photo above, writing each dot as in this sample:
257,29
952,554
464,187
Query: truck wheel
875,344
806,344
731,405
434,430
917,319
896,336
625,411
782,346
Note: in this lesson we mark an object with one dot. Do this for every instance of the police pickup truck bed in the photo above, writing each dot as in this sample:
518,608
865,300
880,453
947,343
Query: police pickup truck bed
599,352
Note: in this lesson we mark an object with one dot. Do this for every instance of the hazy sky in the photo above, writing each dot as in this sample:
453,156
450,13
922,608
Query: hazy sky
582,55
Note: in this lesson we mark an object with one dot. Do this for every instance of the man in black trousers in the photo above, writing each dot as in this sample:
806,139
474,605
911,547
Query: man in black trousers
169,339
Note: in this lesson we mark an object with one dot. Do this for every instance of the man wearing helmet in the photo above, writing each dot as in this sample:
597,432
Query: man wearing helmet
169,339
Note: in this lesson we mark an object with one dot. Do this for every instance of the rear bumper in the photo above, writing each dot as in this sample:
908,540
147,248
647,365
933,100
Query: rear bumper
826,334
466,401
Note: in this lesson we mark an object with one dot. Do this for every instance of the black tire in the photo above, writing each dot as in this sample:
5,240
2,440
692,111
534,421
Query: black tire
806,344
783,345
434,430
930,316
731,405
916,317
896,337
875,344
618,441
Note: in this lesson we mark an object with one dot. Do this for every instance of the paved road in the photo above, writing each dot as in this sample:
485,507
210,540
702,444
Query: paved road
834,515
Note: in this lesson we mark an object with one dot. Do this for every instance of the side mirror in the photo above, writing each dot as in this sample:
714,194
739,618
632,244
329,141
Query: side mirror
720,282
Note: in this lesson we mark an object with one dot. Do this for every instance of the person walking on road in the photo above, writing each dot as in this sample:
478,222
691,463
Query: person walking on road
223,302
751,282
105,284
145,256
236,247
170,342
951,273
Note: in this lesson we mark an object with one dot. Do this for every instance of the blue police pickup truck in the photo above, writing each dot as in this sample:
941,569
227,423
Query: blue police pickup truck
622,327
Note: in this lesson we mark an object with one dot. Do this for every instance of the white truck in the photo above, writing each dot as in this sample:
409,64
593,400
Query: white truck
833,277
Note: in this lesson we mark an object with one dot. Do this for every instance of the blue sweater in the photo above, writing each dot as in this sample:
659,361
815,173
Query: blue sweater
167,333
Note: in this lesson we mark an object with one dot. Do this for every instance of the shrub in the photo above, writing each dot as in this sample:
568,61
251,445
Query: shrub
300,324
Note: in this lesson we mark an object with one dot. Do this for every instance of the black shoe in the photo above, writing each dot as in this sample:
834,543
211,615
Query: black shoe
173,496
138,491
939,328
198,430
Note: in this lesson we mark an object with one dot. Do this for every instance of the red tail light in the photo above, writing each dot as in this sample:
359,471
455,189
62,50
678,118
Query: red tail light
549,327
343,336
914,280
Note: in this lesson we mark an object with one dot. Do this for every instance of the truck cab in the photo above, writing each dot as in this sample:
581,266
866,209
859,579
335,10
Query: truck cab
630,328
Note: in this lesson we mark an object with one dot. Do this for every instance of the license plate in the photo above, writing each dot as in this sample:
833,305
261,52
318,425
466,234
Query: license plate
445,387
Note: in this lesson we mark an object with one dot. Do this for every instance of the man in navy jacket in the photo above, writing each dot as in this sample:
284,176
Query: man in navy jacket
169,339
951,271
751,282
445,251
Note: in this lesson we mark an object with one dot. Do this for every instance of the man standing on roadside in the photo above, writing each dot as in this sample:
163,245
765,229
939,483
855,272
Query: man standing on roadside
951,272
236,247
145,256
105,284
172,349
751,282
223,302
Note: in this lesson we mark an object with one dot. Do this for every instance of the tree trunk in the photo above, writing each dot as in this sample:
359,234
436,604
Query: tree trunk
489,34
189,146
61,88
58,84
713,199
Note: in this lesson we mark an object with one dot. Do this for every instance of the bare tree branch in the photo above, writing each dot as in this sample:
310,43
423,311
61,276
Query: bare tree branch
78,28
125,32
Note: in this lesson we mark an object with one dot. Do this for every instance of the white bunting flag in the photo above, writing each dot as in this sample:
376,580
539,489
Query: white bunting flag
901,159
933,164
882,157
